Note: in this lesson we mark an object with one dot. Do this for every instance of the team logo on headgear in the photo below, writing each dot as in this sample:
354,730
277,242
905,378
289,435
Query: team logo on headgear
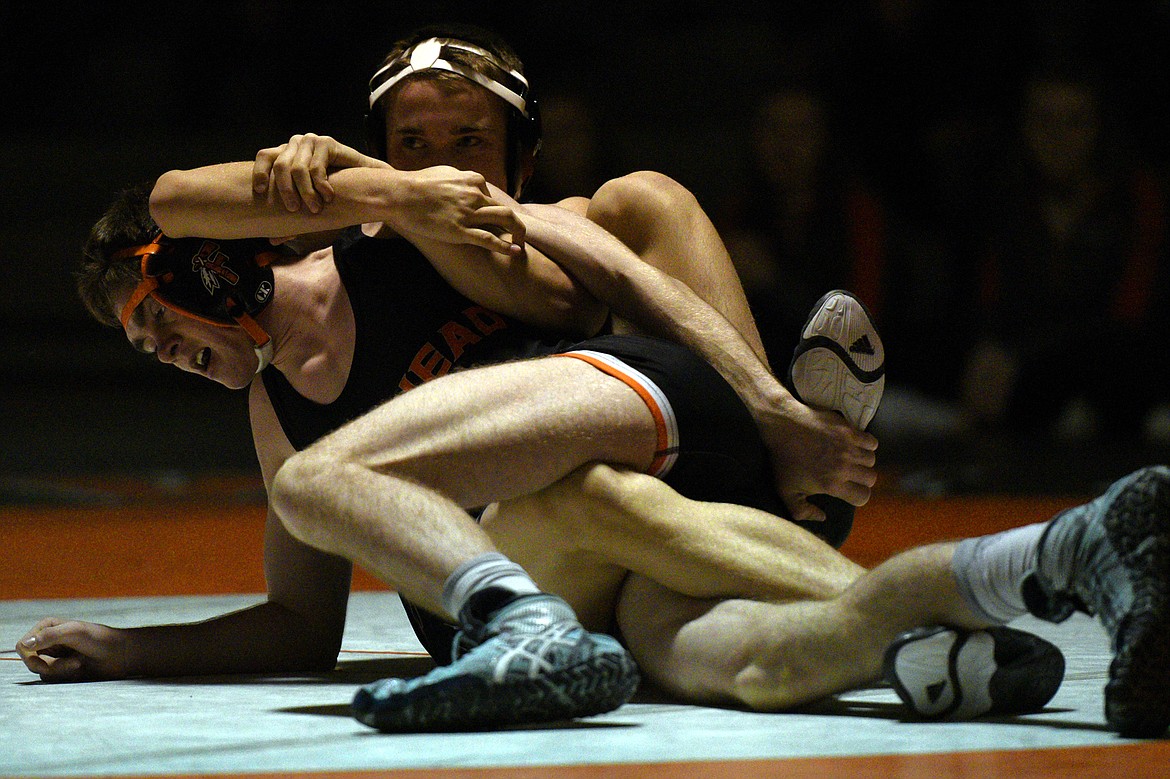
212,265
221,282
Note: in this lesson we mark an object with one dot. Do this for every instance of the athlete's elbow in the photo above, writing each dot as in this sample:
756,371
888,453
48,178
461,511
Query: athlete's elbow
168,204
573,311
312,634
320,658
310,655
585,314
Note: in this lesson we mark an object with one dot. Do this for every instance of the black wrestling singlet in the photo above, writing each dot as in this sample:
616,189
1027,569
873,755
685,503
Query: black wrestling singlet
411,326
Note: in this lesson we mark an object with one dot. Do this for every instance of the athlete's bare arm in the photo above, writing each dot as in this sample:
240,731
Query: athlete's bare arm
443,211
297,628
814,452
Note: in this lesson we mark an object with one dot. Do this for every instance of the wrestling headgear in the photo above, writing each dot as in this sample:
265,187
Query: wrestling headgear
221,283
490,72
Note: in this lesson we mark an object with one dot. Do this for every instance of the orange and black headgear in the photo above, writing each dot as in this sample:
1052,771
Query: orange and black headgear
219,282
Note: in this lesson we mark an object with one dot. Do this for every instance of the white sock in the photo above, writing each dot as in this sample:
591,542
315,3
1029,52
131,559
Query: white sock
990,571
490,569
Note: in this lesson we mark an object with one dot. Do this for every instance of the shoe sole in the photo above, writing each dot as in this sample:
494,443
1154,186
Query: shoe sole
998,671
1137,697
596,686
839,364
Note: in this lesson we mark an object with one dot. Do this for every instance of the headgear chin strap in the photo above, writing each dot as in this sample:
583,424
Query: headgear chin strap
221,283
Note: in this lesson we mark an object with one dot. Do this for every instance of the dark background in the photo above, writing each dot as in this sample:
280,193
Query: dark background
96,96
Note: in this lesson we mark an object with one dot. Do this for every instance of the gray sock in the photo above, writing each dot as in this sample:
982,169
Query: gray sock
490,569
990,571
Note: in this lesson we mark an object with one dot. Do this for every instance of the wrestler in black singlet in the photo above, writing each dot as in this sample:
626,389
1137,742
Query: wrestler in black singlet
411,326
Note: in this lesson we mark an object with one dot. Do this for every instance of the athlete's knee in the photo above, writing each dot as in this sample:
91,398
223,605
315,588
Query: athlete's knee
643,190
731,651
288,491
569,510
761,689
630,206
716,659
604,484
719,656
770,678
301,482
601,494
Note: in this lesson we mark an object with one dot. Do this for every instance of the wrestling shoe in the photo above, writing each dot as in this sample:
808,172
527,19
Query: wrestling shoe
839,364
941,673
1111,558
531,662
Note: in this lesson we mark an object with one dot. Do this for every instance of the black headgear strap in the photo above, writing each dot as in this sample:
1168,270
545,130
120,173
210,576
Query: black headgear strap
221,283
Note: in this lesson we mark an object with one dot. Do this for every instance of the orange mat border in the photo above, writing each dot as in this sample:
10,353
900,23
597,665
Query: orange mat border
181,547
1145,760
159,547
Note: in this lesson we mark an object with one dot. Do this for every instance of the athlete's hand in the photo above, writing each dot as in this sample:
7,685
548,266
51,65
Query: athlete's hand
299,169
819,453
455,207
72,651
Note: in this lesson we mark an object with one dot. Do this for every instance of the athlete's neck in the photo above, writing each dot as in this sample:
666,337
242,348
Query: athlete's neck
312,326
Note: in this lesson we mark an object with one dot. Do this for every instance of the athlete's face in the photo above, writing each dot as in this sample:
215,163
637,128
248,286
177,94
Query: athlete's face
457,124
222,354
790,137
1061,128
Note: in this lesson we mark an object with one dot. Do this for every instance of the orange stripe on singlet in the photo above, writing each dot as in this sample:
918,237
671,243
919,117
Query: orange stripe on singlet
664,420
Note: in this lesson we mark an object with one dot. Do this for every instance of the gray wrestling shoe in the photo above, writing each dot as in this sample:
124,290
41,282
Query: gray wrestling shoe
840,363
941,673
531,662
1111,558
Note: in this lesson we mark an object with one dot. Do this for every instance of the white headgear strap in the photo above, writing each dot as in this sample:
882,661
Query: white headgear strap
429,55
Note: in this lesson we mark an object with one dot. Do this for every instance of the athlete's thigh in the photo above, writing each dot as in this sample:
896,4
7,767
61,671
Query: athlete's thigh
534,532
497,432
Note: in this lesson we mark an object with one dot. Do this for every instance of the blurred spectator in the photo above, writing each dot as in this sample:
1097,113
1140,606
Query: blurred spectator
802,224
1073,335
911,70
805,223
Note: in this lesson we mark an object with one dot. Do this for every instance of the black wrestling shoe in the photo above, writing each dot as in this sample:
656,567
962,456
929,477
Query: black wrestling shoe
1111,558
531,662
941,673
840,363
